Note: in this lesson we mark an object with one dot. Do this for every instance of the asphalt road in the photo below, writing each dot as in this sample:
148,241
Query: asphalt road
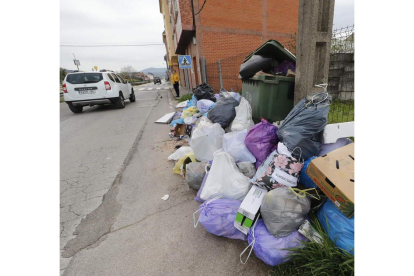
114,171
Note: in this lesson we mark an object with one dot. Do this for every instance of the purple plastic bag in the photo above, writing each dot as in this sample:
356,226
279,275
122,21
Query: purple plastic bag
217,217
270,249
284,66
262,140
198,198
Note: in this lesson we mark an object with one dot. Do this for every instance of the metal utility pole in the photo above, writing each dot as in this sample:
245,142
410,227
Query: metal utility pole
313,46
221,80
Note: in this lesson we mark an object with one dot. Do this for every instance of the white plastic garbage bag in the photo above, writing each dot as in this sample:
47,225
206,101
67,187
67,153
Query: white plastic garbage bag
204,105
205,140
225,179
179,153
233,143
243,119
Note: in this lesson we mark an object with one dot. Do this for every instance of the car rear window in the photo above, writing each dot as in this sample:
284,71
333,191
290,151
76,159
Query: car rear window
84,78
111,77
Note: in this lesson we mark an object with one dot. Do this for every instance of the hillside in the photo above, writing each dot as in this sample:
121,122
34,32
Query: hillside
158,72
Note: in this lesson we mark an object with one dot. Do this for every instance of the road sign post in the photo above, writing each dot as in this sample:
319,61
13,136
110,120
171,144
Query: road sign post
185,62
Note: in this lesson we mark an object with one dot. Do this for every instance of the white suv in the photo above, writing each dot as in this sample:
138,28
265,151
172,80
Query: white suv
96,88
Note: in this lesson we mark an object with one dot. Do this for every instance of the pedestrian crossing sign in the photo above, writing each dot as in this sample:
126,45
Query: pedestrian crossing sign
184,62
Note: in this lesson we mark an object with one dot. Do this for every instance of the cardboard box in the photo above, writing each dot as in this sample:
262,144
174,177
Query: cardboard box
334,174
249,208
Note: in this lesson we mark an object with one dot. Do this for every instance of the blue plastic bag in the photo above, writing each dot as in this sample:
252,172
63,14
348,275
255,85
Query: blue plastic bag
270,249
217,217
193,102
337,225
178,121
304,178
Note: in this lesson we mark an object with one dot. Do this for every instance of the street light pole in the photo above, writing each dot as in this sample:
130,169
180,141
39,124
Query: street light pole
74,60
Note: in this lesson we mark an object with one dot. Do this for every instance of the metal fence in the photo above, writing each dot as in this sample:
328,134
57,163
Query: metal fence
343,40
224,73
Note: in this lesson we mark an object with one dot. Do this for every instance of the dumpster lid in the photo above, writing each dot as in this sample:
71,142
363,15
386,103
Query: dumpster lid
273,48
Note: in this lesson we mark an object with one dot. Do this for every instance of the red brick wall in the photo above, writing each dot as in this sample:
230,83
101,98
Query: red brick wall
282,16
186,12
239,14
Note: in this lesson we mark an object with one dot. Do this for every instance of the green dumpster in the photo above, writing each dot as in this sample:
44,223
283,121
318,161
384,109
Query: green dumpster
270,96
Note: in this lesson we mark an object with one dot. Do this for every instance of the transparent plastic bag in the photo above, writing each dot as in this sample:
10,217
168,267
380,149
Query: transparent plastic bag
194,174
233,143
225,179
247,168
205,140
283,211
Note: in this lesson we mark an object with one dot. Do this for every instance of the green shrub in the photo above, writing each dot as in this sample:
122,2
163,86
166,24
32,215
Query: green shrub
185,98
341,111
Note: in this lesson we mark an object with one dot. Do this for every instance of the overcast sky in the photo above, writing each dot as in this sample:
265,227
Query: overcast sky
128,22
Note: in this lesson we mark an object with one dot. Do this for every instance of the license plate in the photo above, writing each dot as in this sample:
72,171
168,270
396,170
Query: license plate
87,92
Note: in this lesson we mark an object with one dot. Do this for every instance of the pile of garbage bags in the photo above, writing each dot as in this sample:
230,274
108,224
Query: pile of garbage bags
228,155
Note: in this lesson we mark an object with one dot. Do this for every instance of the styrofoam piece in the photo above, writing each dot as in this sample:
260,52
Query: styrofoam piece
333,132
166,119
182,104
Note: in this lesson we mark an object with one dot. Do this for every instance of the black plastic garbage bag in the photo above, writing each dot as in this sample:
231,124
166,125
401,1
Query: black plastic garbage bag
254,65
304,124
204,92
223,111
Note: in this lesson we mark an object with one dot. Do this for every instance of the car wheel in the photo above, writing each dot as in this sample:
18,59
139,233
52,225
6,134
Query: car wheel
132,96
120,102
76,109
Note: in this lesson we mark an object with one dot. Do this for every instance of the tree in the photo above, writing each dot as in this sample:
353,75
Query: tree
62,74
127,71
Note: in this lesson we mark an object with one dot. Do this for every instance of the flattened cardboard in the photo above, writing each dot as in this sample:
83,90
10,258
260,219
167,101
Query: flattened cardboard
334,174
166,119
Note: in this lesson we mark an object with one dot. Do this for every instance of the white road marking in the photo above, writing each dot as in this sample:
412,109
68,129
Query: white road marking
149,89
141,89
158,88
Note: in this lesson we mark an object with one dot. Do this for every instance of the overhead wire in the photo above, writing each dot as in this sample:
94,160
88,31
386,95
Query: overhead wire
201,7
109,45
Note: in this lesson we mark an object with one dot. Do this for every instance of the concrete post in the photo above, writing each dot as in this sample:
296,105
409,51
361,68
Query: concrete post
313,46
